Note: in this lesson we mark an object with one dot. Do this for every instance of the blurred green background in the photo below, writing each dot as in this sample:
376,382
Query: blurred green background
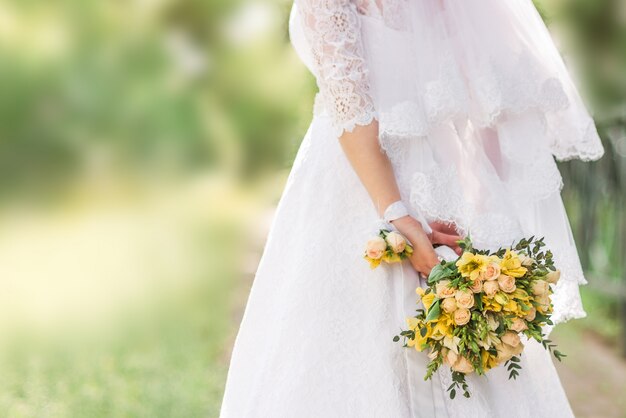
143,145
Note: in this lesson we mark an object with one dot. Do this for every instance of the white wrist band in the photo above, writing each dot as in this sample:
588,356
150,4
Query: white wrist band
398,210
395,211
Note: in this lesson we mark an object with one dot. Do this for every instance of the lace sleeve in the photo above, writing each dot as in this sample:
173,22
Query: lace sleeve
332,30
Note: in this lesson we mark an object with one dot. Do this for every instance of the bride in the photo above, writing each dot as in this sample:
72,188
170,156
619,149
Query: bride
444,118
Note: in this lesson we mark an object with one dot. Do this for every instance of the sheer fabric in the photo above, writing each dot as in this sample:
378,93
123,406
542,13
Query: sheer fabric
473,103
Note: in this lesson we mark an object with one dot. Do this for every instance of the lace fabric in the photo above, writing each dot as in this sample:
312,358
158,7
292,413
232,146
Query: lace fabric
332,31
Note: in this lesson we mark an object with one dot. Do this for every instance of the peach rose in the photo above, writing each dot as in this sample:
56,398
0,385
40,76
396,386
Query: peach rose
477,286
448,305
506,283
462,316
443,290
511,338
375,248
492,272
396,242
540,287
518,325
491,288
462,365
464,298
450,357
553,277
506,351
530,316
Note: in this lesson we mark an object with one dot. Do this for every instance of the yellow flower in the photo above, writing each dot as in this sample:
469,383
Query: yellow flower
472,265
373,262
512,265
488,360
511,306
391,258
428,300
490,304
418,342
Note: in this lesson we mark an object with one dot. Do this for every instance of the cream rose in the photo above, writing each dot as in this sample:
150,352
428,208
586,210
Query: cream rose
530,316
491,288
492,272
396,242
462,365
526,260
462,316
518,325
544,301
511,338
506,283
553,277
375,248
464,298
448,305
442,290
477,286
540,287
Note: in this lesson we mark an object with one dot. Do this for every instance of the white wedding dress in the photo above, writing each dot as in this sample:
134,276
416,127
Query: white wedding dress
473,103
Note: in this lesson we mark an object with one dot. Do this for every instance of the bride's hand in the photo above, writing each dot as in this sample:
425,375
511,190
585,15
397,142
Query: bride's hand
445,234
424,257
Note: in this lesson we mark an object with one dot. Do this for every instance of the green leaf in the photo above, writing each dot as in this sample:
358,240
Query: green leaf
396,339
434,311
452,393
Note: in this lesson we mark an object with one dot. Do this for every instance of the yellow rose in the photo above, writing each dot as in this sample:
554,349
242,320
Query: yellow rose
448,305
492,271
506,283
462,316
443,290
553,277
375,248
518,325
396,242
491,288
511,264
464,299
540,287
472,265
530,315
477,286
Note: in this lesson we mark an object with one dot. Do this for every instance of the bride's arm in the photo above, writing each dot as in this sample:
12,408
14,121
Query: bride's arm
332,30
374,169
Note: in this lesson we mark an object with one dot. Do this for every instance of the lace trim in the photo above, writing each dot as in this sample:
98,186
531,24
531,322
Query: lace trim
332,29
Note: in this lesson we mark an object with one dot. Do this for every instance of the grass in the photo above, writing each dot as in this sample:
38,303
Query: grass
161,355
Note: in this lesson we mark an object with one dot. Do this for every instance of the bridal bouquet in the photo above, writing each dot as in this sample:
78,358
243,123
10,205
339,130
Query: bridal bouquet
477,306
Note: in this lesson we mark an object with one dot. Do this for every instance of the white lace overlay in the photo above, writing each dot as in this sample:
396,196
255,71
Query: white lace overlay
332,30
